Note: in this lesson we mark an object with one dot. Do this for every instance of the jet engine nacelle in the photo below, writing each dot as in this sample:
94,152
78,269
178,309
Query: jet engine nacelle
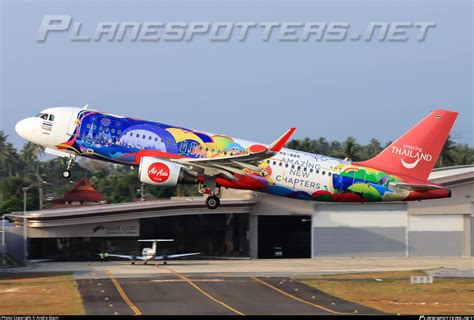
163,173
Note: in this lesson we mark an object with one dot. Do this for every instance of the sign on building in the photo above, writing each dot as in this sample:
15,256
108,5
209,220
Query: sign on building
128,228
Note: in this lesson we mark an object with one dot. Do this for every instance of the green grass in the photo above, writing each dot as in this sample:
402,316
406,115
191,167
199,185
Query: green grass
393,293
40,293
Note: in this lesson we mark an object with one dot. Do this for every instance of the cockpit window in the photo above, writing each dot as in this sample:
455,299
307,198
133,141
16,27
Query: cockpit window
44,116
51,117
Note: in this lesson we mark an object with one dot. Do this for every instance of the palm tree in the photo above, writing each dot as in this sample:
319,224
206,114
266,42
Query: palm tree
322,146
350,149
7,155
373,148
464,155
447,156
29,156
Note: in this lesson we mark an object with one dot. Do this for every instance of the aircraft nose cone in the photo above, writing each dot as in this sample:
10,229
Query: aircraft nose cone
24,128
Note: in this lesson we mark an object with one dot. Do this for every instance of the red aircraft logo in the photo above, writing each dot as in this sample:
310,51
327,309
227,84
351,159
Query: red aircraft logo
158,172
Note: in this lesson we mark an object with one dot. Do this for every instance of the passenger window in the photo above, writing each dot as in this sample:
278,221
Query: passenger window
323,173
51,117
44,116
329,173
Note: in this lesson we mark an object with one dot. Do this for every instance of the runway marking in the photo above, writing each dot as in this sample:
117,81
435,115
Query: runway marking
182,276
124,295
296,298
182,280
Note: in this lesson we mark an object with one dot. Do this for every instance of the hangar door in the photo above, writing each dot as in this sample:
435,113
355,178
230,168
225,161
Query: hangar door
436,235
284,236
356,230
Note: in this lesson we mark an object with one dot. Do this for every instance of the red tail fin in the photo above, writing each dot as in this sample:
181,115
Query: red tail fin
416,152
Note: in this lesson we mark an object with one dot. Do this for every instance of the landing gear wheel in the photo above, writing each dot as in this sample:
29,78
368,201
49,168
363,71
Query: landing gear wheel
66,174
213,202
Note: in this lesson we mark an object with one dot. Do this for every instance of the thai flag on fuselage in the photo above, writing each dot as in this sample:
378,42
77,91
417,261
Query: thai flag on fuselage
47,125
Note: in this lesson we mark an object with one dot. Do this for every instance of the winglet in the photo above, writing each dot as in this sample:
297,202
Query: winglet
280,143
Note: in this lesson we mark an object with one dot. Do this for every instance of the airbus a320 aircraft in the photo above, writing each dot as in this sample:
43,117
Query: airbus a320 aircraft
167,155
150,253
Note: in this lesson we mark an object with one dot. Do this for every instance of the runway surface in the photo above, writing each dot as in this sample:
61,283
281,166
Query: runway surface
208,294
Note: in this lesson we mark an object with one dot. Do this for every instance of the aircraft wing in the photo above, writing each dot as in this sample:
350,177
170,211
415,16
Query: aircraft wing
127,257
174,256
235,163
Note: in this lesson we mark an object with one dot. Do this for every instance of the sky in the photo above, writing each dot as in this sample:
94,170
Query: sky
251,89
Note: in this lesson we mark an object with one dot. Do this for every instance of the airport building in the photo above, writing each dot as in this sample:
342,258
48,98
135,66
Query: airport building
257,225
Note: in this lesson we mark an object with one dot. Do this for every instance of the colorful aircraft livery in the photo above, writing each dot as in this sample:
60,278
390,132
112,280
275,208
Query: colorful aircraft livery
168,155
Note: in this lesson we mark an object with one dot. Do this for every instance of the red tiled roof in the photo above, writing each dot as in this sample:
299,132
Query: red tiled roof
83,191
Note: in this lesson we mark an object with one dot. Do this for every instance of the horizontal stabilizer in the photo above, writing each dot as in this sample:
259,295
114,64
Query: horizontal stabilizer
155,240
416,187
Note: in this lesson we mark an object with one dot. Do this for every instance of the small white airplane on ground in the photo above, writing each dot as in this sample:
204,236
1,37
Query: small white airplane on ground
150,253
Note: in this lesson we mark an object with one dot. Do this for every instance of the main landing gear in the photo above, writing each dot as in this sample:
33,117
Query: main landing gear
213,202
67,173
209,187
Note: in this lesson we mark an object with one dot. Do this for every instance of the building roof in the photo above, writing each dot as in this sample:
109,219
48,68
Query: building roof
128,211
452,175
83,191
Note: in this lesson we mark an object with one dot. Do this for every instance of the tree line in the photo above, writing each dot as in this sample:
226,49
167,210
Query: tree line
118,183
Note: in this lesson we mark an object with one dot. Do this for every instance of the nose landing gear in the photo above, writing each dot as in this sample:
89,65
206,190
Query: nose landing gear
67,173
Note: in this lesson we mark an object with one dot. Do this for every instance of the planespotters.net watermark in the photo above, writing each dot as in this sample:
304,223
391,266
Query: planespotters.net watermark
308,31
